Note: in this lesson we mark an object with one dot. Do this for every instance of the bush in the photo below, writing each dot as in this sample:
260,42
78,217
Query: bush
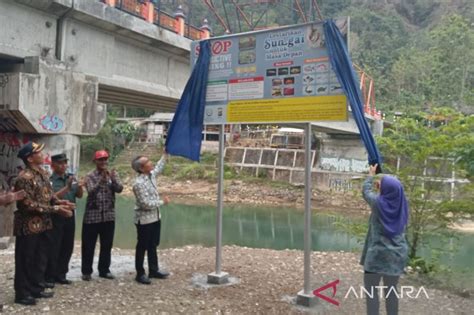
192,171
209,158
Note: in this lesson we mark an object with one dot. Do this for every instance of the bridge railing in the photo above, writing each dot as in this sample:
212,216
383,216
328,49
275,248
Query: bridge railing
367,87
145,9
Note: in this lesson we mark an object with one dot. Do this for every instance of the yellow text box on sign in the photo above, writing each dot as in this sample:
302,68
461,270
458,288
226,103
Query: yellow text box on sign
297,109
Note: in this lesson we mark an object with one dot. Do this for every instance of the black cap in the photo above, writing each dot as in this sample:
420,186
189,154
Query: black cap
59,157
30,148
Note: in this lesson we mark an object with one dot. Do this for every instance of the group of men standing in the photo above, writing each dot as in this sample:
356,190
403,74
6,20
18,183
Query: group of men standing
44,223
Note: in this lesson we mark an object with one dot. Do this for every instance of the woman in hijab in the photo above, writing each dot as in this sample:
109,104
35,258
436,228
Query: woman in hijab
385,251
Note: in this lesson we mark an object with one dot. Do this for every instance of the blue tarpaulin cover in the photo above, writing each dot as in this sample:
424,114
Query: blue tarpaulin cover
342,65
185,132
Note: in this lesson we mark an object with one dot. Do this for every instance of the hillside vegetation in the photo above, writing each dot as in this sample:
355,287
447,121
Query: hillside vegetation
419,52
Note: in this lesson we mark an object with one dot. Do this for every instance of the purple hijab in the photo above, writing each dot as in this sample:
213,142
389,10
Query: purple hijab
393,206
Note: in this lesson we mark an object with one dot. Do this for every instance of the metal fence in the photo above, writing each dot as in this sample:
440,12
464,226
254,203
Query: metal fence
160,18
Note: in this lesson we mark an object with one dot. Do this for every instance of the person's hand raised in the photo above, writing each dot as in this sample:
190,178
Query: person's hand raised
373,169
81,183
113,174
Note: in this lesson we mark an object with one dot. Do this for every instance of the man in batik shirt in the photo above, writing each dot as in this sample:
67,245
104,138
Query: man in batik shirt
32,220
147,216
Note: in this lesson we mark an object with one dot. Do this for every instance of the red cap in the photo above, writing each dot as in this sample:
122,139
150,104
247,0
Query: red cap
101,154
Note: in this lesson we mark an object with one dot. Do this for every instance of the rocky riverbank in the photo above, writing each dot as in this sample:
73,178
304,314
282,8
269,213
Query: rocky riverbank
257,193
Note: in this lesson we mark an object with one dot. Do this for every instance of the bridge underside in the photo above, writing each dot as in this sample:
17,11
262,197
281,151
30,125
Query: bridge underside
119,96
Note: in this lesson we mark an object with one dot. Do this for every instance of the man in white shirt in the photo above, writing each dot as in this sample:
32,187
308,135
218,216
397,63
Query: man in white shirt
147,216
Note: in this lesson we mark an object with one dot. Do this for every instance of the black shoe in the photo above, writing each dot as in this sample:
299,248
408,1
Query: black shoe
27,300
43,295
86,277
47,285
63,280
107,275
159,274
143,279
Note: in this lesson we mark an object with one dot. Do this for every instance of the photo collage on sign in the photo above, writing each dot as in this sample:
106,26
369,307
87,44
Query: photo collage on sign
247,54
320,79
284,82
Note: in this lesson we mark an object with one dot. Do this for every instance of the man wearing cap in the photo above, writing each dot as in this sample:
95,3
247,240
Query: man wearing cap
32,220
62,235
99,217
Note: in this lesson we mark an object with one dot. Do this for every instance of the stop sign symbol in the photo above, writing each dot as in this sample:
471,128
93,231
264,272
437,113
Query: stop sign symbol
221,46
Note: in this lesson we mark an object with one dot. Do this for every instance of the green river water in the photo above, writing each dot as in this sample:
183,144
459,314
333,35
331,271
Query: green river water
268,227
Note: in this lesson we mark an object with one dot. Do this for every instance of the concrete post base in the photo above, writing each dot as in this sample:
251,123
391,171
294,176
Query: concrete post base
307,300
218,278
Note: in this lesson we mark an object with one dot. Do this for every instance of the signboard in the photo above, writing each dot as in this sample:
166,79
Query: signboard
276,75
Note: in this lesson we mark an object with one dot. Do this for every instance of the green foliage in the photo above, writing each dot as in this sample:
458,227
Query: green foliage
103,140
378,39
191,171
440,134
436,70
209,158
126,132
113,137
422,265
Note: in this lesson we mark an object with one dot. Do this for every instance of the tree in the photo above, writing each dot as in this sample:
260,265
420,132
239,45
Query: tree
426,149
438,70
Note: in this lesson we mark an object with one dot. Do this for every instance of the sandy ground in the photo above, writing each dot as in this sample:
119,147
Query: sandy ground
262,281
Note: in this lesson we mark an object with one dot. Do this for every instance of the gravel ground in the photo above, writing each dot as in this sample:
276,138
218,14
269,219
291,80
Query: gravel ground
262,281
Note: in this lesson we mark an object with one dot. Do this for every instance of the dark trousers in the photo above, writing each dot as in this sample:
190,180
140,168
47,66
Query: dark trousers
90,232
371,280
148,239
61,239
30,264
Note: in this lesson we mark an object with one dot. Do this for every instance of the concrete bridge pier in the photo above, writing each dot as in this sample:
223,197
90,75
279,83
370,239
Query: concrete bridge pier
43,100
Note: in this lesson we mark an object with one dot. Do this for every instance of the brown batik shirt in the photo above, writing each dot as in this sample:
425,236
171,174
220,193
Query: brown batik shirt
33,214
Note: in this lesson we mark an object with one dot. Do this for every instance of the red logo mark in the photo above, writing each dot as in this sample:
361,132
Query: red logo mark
217,47
324,297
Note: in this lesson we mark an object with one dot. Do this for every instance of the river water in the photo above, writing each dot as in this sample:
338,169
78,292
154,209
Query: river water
271,227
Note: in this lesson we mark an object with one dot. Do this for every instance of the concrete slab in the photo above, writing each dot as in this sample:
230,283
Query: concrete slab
218,278
306,300
200,281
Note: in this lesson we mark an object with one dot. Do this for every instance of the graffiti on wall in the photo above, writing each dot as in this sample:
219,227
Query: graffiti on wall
51,123
10,165
339,184
343,165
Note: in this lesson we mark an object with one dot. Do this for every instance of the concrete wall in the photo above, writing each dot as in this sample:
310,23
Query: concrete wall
53,100
123,51
334,163
25,31
342,154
